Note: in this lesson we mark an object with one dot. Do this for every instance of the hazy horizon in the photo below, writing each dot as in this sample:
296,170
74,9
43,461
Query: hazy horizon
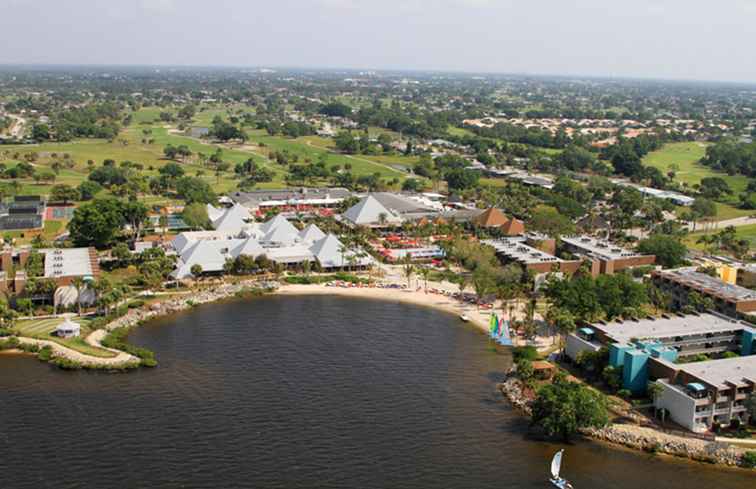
665,40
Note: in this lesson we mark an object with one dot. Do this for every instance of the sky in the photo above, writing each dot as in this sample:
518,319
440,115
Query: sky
671,39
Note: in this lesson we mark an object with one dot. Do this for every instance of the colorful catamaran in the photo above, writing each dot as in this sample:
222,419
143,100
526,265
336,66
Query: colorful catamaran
500,330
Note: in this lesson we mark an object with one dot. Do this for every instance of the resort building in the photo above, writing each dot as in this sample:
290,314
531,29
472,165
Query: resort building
703,395
612,258
648,349
729,299
495,219
303,200
277,239
370,212
522,250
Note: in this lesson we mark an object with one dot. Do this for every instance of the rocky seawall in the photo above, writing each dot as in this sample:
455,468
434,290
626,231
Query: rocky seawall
637,437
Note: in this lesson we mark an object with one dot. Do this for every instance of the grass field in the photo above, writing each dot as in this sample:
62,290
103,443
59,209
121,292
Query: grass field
41,329
130,146
743,232
686,156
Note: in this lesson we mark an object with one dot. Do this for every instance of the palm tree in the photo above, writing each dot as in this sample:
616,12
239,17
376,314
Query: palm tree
424,272
409,269
78,283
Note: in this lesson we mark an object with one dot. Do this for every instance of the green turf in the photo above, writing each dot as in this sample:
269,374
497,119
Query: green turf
742,232
686,156
41,329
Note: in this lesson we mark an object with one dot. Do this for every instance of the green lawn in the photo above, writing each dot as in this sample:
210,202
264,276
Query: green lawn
41,329
686,156
743,232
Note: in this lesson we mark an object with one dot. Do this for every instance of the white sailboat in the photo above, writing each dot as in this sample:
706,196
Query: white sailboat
556,465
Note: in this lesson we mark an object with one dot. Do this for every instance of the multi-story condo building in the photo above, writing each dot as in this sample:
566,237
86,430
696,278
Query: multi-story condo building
729,299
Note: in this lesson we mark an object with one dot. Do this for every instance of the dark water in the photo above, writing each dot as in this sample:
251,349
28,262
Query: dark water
299,393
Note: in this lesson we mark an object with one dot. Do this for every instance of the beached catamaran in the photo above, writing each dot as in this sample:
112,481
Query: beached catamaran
500,330
556,465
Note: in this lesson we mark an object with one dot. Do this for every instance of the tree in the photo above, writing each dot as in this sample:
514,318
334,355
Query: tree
483,280
669,251
64,193
424,272
714,187
96,223
549,221
193,189
122,253
79,284
196,270
408,269
88,189
562,408
704,209
135,215
654,390
195,216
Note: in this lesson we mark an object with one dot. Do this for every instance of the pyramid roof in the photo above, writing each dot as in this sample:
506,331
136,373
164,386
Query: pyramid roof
490,218
283,234
311,233
328,252
210,254
250,247
273,223
513,227
368,211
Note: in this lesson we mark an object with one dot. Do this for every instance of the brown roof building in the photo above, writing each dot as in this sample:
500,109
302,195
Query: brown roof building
490,218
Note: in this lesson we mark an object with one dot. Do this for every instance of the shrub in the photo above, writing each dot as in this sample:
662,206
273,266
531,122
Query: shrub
748,460
135,304
525,352
45,353
9,343
116,339
624,393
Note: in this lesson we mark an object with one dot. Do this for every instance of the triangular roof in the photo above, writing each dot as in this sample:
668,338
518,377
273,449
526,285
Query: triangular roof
250,247
328,252
490,218
232,219
368,211
229,222
210,254
273,223
513,227
311,233
282,234
214,213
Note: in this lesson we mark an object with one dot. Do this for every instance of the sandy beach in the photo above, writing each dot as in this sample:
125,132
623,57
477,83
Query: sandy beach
477,317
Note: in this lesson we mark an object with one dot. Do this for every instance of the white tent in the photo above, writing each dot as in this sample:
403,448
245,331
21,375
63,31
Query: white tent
68,329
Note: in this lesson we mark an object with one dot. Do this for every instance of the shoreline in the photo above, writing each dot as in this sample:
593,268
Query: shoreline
438,302
619,436
639,438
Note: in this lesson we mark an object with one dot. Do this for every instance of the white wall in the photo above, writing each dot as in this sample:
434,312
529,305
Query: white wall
682,408
576,345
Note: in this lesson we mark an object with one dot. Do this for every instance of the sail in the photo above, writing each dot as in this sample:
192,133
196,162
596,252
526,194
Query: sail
491,325
556,464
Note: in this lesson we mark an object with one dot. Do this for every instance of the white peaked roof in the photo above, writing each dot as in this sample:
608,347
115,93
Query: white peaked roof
368,211
211,255
184,241
311,234
213,213
329,254
272,224
229,222
279,230
249,246
232,219
68,326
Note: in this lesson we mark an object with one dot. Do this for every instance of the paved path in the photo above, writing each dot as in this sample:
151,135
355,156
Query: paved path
94,339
